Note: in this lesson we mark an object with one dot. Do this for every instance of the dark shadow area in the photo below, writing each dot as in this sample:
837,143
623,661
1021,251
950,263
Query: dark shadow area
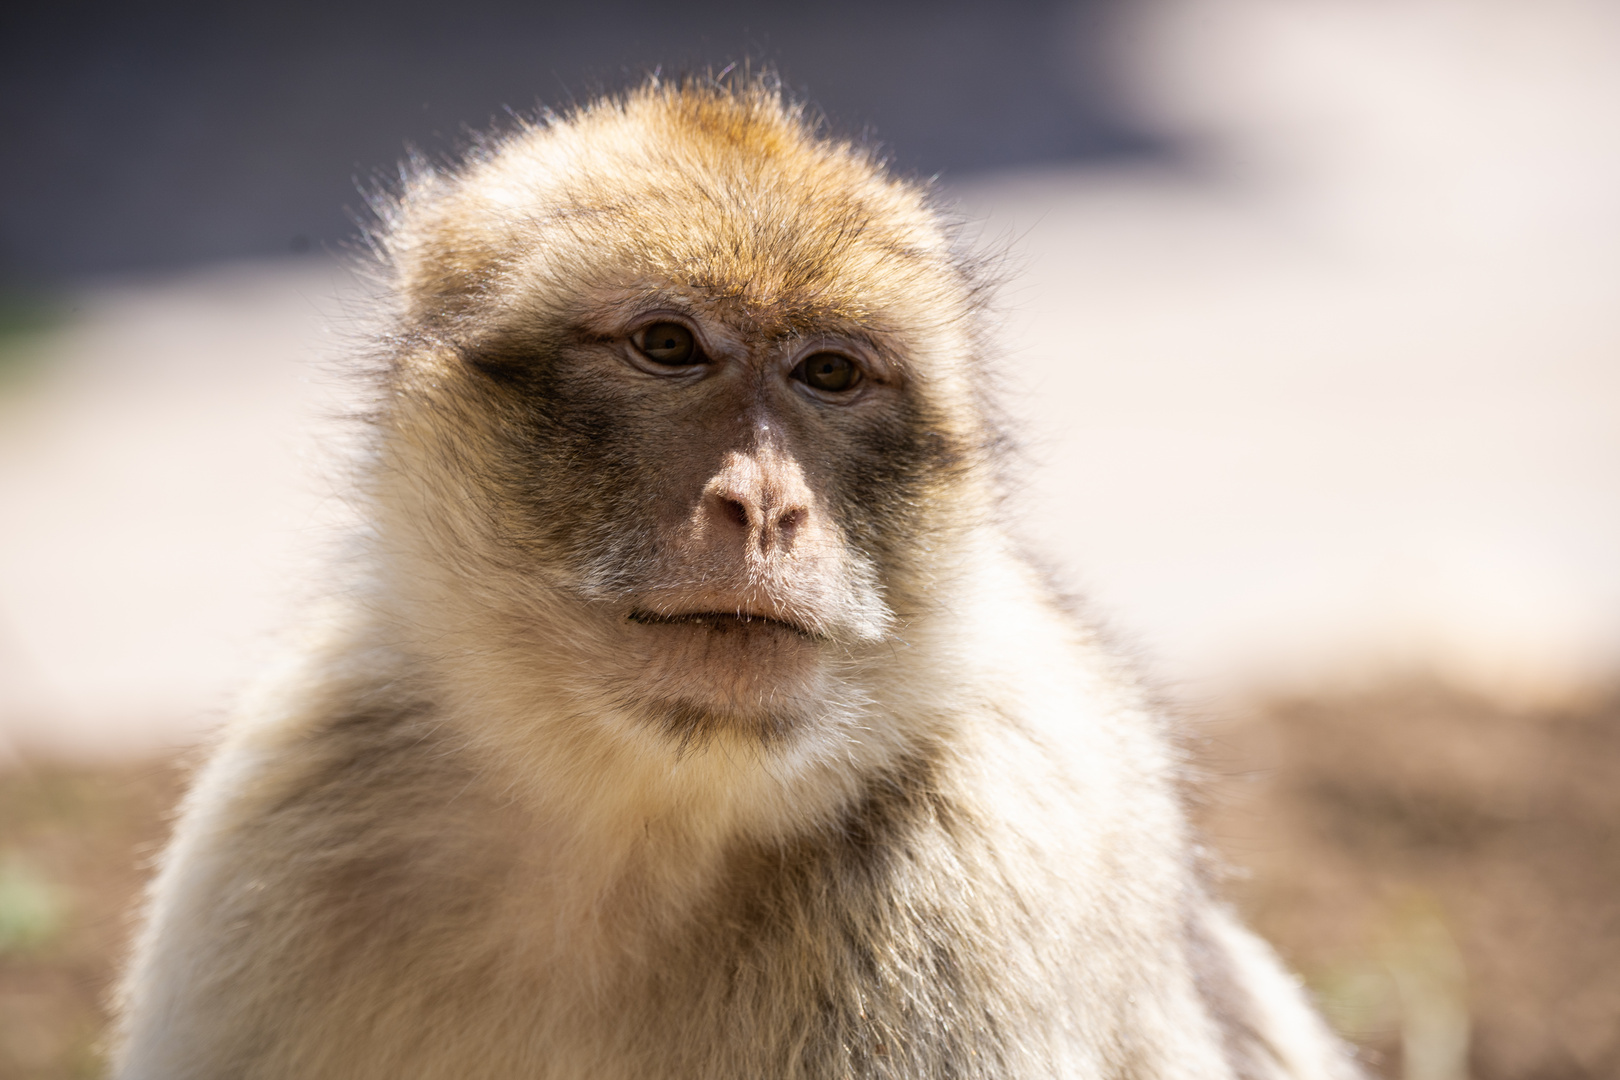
148,137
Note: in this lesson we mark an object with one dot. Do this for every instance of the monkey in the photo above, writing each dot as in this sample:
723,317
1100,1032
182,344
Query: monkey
689,707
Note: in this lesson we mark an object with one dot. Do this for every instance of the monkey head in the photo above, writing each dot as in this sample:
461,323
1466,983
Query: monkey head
684,403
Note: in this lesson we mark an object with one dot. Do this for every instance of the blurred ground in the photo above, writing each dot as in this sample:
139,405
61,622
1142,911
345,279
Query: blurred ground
75,845
166,478
1444,871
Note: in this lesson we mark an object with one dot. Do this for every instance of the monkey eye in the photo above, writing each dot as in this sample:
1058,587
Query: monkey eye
668,343
831,372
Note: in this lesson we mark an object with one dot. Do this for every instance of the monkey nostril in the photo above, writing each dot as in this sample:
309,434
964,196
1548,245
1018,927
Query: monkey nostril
735,512
790,521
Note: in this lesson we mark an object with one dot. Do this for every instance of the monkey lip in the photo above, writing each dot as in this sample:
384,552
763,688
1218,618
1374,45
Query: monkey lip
721,621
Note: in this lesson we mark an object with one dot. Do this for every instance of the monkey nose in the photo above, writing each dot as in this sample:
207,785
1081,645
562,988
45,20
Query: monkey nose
756,521
758,501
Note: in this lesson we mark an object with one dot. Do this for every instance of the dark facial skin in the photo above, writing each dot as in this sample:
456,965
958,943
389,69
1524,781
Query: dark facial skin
693,464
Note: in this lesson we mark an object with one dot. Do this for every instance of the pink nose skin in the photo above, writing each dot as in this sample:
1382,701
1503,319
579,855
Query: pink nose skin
761,499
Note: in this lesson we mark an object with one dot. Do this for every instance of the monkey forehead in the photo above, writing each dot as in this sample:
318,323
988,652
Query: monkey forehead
767,260
727,194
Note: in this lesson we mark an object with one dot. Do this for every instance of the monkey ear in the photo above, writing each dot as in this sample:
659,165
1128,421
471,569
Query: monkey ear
445,277
434,243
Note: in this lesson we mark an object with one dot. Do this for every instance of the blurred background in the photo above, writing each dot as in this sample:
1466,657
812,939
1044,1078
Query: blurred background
1311,319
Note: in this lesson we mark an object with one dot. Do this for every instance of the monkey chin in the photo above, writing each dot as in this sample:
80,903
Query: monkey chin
703,674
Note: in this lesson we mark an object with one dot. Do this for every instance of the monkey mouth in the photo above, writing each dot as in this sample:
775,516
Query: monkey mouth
722,622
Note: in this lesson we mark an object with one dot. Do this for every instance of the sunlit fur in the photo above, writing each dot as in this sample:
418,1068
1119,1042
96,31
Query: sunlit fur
692,724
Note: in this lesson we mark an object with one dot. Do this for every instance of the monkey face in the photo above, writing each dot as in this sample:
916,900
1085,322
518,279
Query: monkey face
732,494
714,427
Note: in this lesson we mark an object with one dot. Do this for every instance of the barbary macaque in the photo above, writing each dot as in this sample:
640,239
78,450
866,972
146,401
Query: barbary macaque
689,709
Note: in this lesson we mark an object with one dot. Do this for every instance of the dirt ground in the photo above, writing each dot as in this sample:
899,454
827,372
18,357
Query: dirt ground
1445,873
75,846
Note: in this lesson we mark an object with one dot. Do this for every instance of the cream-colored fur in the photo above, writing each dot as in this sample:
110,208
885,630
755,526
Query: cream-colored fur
692,722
